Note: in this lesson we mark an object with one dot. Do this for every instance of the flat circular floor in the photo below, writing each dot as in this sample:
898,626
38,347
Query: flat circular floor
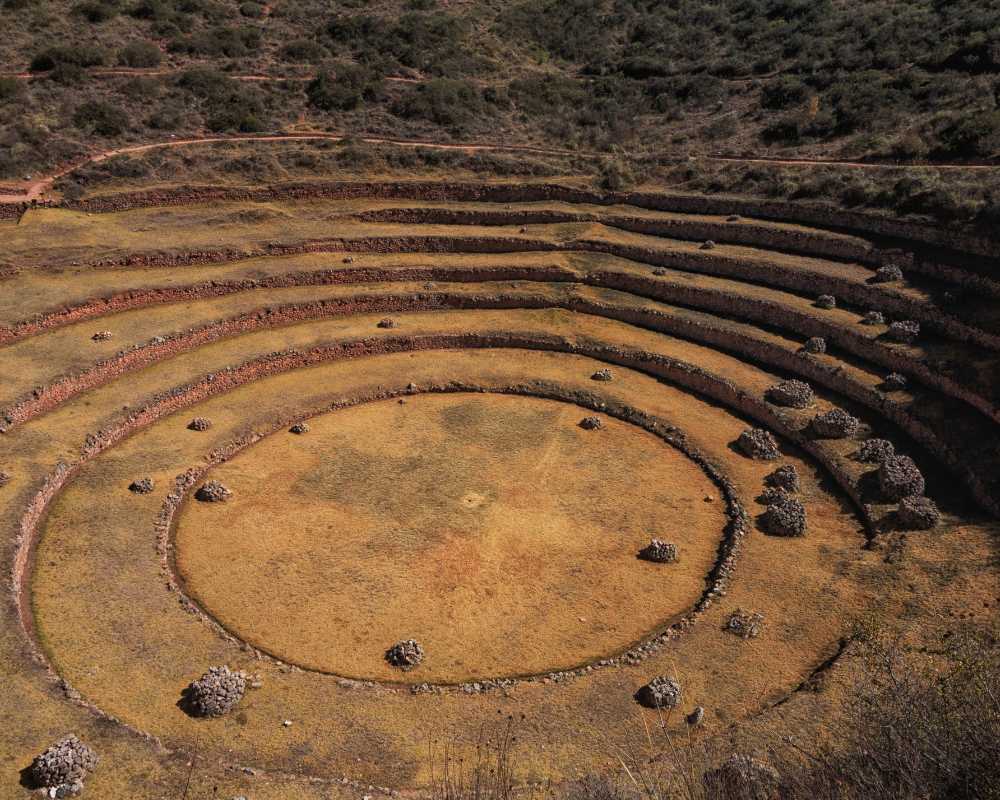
491,528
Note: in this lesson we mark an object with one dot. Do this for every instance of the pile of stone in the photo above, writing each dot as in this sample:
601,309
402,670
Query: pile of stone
213,492
835,424
875,451
661,692
873,318
785,477
406,654
917,514
787,517
591,423
602,375
199,424
888,274
816,345
708,245
743,776
101,336
659,552
759,444
899,477
771,495
791,394
4,478
141,486
733,218
63,767
826,302
388,322
299,428
216,692
904,331
894,382
745,624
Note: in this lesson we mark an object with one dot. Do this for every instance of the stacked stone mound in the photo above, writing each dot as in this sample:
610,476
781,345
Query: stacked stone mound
299,428
787,517
771,495
4,478
745,624
708,245
217,692
785,477
743,776
917,514
406,654
63,766
213,492
759,444
102,336
873,318
816,345
835,424
388,322
591,423
199,424
791,394
875,451
661,692
602,375
894,382
826,302
888,274
659,552
904,331
141,486
899,477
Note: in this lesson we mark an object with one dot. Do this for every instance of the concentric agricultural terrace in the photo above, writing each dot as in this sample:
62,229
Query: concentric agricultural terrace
458,414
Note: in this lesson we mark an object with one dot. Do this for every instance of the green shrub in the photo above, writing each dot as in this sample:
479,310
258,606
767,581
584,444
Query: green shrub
10,88
343,91
79,55
102,119
219,41
96,11
303,51
140,54
445,102
252,10
784,93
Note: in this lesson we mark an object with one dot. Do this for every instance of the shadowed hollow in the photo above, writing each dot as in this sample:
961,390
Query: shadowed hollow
491,528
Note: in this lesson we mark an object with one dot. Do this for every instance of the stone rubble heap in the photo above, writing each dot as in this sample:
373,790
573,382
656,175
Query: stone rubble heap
917,513
745,624
217,692
899,477
141,486
791,394
785,518
835,424
64,766
213,492
661,692
406,654
659,552
758,443
785,477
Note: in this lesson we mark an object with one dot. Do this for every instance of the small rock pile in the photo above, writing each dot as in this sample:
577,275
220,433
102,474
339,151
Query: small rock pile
787,517
785,477
743,776
388,322
141,486
591,423
759,444
299,428
888,274
661,692
835,424
917,513
873,318
406,654
826,302
899,477
745,624
213,492
904,331
199,424
894,382
771,495
659,552
217,691
791,394
101,336
708,245
4,478
602,375
816,345
63,766
733,218
875,451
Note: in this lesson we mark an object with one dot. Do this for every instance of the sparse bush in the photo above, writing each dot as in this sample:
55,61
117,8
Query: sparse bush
345,90
140,54
448,103
96,11
303,51
102,119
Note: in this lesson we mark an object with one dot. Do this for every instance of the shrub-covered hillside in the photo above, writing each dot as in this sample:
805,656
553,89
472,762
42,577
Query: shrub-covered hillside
879,79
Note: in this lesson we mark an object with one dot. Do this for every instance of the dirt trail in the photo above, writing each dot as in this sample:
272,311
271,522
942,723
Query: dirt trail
33,190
